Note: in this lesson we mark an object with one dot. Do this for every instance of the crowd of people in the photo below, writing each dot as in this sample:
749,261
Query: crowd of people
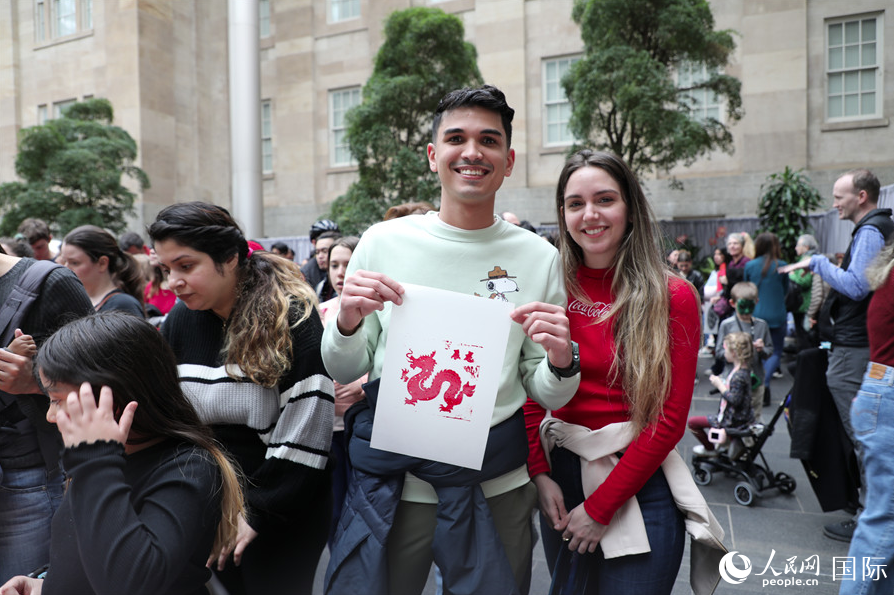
200,405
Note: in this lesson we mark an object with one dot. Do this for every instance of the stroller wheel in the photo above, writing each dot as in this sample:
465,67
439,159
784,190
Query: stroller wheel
702,476
744,493
785,482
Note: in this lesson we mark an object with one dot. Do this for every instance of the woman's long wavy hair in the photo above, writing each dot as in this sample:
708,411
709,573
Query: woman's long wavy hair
96,242
640,309
130,356
271,295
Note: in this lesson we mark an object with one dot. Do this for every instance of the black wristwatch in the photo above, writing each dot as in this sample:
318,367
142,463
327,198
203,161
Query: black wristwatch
571,370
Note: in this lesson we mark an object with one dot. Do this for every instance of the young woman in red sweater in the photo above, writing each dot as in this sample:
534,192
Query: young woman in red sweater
638,330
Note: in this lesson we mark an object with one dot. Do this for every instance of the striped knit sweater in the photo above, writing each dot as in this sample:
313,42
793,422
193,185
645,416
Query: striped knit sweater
280,436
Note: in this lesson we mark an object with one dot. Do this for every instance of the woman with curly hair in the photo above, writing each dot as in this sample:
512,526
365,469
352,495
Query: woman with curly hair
638,327
247,334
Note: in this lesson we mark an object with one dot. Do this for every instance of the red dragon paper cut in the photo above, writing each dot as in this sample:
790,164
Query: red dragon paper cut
455,392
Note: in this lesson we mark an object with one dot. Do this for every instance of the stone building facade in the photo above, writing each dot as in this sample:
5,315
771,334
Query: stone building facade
815,93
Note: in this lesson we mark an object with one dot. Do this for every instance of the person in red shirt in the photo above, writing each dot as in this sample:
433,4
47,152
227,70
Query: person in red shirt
638,329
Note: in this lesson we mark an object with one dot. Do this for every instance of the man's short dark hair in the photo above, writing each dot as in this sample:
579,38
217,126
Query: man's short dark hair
34,230
129,239
487,97
863,179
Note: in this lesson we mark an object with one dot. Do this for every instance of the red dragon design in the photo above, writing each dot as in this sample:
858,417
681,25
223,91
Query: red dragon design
455,392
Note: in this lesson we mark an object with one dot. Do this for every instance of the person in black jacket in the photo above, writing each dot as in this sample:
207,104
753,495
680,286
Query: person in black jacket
151,496
31,484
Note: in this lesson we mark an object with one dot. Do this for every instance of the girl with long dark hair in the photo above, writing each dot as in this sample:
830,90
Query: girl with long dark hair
150,492
772,286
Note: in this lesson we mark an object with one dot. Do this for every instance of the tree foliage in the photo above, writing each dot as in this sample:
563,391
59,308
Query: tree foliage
72,170
787,197
422,58
624,92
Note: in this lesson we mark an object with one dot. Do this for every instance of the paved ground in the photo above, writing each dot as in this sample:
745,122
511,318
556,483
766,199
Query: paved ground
789,524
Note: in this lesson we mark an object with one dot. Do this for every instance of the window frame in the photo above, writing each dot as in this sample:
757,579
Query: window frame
266,136
47,20
265,22
546,103
335,129
333,10
59,107
700,106
829,72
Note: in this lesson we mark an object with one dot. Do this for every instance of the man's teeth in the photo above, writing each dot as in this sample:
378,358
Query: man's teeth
472,172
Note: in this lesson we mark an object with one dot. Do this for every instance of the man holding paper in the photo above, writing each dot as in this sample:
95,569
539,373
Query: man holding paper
462,248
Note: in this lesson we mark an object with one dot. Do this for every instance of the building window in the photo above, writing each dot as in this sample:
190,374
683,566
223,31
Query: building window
40,21
61,18
556,107
264,18
42,114
266,137
342,10
339,103
65,17
60,106
703,104
853,68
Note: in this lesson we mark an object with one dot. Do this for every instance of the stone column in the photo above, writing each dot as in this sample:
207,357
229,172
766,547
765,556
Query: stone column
245,116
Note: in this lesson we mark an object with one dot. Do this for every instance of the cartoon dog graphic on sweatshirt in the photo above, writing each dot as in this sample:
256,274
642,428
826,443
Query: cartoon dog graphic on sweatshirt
499,283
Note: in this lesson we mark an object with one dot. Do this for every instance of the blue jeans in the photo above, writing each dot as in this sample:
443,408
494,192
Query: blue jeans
28,500
872,417
772,363
654,572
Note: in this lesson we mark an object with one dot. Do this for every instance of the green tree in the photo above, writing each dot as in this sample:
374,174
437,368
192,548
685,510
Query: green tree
72,168
786,199
624,91
422,58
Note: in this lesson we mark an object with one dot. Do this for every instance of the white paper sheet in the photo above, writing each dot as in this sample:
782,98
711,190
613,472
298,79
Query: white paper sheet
442,368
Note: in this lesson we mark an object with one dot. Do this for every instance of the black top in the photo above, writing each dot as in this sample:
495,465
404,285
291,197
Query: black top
62,299
138,524
841,319
281,435
123,302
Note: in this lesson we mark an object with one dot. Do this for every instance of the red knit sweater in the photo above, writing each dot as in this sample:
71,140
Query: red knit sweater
597,404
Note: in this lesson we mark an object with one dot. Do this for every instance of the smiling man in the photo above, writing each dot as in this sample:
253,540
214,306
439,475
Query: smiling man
461,248
842,319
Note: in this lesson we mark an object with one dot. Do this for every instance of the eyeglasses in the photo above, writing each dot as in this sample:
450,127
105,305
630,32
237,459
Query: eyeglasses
319,251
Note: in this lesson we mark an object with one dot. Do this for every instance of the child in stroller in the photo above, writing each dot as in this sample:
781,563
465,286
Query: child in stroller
730,441
735,412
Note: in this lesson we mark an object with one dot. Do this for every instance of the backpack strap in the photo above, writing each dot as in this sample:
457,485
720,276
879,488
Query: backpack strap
22,297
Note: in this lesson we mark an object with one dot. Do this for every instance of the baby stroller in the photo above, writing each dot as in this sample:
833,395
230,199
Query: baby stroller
743,458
